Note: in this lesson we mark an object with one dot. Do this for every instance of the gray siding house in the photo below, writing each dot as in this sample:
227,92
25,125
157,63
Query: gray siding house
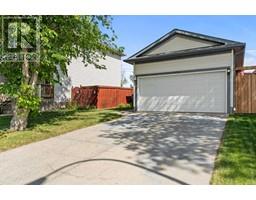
187,72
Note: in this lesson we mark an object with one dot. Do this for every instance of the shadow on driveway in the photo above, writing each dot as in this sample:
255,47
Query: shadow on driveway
43,179
161,139
178,147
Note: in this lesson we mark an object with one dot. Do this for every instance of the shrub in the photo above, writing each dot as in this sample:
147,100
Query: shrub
124,107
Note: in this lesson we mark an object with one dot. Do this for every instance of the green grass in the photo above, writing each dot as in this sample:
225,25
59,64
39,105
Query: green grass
50,124
236,160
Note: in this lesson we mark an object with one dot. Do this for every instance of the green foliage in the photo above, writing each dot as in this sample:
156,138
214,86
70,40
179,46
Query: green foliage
87,108
4,123
71,105
26,98
62,38
124,107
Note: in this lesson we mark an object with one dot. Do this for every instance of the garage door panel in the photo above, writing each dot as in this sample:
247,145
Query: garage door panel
182,104
198,92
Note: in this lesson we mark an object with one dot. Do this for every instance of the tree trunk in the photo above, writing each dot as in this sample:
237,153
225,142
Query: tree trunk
20,115
20,119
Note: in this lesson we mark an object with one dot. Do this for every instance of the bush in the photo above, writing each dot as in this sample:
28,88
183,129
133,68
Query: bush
87,108
72,105
124,107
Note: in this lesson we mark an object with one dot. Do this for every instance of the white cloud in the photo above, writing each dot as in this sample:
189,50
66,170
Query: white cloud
250,57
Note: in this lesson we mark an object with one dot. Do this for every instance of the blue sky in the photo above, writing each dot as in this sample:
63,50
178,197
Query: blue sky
135,32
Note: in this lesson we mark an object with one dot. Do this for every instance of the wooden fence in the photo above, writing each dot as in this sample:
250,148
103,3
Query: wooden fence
245,92
101,96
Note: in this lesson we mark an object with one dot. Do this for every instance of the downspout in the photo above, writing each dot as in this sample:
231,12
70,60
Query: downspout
233,75
135,93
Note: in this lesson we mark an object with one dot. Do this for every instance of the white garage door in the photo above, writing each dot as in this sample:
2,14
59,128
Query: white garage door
188,92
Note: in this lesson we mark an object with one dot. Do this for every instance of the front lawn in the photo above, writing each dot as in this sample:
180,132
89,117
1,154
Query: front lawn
236,160
52,123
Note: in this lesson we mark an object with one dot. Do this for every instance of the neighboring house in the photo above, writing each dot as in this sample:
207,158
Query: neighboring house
187,72
81,75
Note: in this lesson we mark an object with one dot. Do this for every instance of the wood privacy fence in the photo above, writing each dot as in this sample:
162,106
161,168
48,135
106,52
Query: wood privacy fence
101,96
245,92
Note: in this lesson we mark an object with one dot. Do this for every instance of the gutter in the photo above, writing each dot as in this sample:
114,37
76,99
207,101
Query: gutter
182,54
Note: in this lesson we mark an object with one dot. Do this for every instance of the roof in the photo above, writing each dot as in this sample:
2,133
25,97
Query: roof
221,45
117,52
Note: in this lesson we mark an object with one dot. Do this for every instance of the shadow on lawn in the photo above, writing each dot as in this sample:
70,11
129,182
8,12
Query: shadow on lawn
4,123
48,117
55,117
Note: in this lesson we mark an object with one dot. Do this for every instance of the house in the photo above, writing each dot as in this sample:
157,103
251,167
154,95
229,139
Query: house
187,72
80,75
77,75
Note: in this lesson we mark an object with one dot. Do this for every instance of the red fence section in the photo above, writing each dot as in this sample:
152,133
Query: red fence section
101,96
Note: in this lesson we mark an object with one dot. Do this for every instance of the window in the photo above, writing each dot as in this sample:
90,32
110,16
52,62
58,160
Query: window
47,91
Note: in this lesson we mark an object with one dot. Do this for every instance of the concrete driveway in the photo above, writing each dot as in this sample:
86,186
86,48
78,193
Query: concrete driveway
140,148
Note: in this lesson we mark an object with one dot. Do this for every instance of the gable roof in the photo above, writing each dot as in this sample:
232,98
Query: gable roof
221,45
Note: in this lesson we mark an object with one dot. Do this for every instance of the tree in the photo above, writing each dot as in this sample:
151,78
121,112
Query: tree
61,39
131,80
124,80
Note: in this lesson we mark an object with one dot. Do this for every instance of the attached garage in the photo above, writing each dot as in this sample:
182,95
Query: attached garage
196,92
186,72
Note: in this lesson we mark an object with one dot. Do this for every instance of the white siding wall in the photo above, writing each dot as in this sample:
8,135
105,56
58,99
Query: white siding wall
78,75
203,62
212,61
